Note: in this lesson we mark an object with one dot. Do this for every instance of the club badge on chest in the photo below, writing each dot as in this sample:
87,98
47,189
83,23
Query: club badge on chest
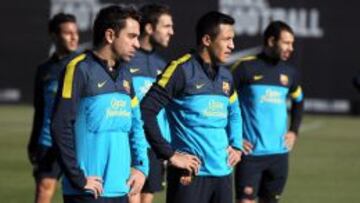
226,87
126,85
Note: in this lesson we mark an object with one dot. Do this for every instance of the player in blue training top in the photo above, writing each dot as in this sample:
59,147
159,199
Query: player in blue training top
264,82
64,34
204,117
156,29
97,125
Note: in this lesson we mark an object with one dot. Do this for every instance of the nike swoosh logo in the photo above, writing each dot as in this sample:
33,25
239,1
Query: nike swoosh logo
101,84
134,70
199,86
258,77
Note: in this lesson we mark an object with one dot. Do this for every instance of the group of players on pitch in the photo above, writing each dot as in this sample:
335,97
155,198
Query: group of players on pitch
107,119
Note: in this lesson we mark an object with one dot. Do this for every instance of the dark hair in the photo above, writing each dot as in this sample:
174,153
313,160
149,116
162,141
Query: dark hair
57,20
151,13
209,23
112,17
274,29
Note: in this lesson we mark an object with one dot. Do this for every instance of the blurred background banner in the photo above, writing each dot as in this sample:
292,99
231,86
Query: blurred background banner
327,39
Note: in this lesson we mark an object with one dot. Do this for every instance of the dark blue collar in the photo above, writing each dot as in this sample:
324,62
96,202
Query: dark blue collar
115,70
211,70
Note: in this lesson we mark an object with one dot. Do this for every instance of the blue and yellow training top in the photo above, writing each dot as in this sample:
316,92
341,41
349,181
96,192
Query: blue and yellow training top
144,67
203,113
263,85
97,127
45,89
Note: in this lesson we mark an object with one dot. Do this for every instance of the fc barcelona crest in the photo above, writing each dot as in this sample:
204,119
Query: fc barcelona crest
126,85
226,87
284,79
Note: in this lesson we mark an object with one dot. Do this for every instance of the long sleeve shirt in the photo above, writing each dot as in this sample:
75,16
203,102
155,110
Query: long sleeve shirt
203,113
97,127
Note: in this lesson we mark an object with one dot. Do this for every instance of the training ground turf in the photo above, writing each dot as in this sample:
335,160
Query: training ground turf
325,164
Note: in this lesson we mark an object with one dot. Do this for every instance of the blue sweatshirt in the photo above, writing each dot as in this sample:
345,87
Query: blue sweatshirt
263,85
203,113
97,127
45,89
144,67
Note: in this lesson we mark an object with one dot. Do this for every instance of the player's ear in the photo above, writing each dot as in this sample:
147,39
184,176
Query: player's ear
110,35
271,41
206,40
149,29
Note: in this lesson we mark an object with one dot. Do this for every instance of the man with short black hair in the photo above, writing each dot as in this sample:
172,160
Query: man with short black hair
97,125
64,34
156,29
265,82
204,115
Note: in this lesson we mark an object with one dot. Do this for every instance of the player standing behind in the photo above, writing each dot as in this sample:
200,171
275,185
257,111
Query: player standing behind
204,116
64,34
97,125
156,29
264,82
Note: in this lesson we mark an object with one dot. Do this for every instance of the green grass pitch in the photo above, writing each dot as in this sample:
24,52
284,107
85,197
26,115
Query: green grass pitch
325,164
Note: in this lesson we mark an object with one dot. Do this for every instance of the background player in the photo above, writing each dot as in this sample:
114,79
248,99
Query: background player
64,34
156,30
264,83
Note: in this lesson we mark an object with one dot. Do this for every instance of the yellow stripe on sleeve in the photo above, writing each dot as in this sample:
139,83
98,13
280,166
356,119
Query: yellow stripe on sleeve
233,98
134,102
238,62
165,77
69,76
296,93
